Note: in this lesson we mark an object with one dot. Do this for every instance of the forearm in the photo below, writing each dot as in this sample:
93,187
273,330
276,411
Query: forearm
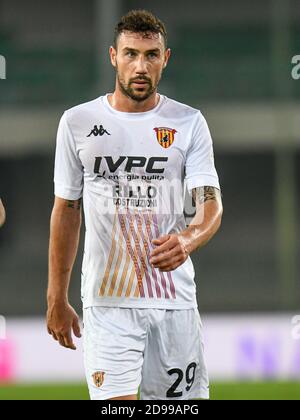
197,235
2,214
207,221
64,239
172,250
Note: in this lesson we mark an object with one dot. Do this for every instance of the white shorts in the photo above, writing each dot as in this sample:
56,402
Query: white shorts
158,350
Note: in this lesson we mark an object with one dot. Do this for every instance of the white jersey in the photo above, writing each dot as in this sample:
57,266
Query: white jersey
132,170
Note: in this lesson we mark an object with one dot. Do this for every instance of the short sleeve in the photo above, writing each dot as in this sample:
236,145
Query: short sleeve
68,172
200,168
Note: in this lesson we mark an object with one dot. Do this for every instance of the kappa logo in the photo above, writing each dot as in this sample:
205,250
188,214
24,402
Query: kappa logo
98,378
165,136
98,131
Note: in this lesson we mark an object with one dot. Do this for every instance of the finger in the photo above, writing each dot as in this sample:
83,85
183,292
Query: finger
178,258
76,328
170,244
161,240
172,266
169,269
65,342
53,335
69,341
166,256
61,340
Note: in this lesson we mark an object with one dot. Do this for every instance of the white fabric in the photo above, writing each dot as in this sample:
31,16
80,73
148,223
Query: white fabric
133,189
150,348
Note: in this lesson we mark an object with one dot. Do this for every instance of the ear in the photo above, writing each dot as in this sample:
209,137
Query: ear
113,56
167,57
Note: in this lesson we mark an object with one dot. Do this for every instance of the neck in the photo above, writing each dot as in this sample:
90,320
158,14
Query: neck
123,103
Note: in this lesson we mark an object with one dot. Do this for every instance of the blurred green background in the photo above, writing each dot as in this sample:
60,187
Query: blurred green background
272,391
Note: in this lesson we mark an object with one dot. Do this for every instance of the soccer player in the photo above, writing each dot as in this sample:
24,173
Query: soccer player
129,154
2,214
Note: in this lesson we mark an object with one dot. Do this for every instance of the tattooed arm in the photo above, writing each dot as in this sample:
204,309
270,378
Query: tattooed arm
208,218
173,250
2,214
64,239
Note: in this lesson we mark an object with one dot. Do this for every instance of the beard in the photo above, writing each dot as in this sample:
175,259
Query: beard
137,94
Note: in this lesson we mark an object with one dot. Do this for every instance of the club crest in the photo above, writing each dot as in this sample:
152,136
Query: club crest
165,136
98,378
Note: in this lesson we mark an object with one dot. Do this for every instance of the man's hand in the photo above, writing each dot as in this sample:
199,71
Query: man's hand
61,320
171,252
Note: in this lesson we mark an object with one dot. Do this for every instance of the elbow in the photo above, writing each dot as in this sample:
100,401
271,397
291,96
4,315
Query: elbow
219,219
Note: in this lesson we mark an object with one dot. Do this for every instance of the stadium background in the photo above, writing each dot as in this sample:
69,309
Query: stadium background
233,61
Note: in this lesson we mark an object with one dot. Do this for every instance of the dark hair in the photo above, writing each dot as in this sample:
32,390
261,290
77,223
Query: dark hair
140,21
